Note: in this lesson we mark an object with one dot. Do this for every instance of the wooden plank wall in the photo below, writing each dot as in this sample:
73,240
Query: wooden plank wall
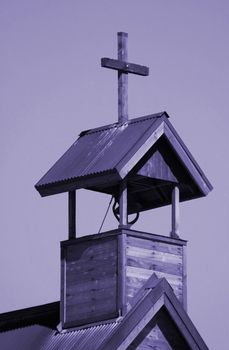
91,281
157,168
145,256
154,340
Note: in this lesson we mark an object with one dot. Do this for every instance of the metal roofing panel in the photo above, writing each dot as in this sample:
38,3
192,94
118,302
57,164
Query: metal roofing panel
38,337
101,157
89,338
25,338
98,150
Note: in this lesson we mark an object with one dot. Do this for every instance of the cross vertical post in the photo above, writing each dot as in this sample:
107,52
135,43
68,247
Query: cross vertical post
124,68
122,79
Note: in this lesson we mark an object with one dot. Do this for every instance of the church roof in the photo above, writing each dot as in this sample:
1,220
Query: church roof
36,328
156,318
98,152
101,157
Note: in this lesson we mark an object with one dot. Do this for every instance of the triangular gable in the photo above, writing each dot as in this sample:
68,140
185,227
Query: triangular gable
164,128
157,317
151,335
157,168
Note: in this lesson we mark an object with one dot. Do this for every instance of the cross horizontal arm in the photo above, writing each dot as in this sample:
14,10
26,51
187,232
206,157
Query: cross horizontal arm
124,67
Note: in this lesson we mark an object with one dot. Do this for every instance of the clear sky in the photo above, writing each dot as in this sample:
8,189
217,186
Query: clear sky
52,87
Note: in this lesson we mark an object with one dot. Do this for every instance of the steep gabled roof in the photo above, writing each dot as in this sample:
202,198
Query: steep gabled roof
98,152
156,318
101,157
156,310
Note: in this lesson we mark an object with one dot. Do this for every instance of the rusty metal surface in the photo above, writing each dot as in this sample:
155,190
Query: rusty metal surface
98,150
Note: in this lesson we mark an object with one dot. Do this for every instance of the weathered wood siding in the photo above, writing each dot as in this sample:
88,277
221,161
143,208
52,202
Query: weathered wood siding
157,168
154,340
100,274
145,256
90,281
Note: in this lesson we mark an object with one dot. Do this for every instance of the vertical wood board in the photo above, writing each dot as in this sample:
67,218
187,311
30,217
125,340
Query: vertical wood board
153,340
122,298
157,168
91,280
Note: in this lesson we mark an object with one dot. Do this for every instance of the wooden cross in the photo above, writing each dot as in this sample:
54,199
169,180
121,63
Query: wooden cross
123,67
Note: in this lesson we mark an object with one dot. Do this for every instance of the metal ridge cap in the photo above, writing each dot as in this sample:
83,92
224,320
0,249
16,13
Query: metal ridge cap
117,124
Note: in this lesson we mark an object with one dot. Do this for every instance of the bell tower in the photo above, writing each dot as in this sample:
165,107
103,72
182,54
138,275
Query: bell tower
142,164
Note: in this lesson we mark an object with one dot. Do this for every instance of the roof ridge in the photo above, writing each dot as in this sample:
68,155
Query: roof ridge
117,124
159,296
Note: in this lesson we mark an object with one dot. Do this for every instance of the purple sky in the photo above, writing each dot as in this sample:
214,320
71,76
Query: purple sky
52,87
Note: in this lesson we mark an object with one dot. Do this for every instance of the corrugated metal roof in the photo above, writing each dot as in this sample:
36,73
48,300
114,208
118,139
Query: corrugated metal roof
101,157
99,150
89,338
38,337
36,328
107,336
25,338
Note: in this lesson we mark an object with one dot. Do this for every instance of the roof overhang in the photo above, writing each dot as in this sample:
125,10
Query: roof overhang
102,157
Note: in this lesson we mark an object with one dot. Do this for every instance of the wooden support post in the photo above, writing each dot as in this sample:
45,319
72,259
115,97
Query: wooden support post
123,216
175,212
72,214
122,274
122,79
184,278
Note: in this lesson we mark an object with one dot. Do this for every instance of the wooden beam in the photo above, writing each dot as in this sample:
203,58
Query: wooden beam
63,287
122,79
125,67
123,216
72,214
140,148
175,212
184,278
189,162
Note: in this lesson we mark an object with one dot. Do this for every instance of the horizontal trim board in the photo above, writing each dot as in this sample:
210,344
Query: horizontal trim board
160,266
88,321
157,256
144,274
133,233
154,245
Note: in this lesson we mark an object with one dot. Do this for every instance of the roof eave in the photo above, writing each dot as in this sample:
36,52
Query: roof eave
171,133
105,178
